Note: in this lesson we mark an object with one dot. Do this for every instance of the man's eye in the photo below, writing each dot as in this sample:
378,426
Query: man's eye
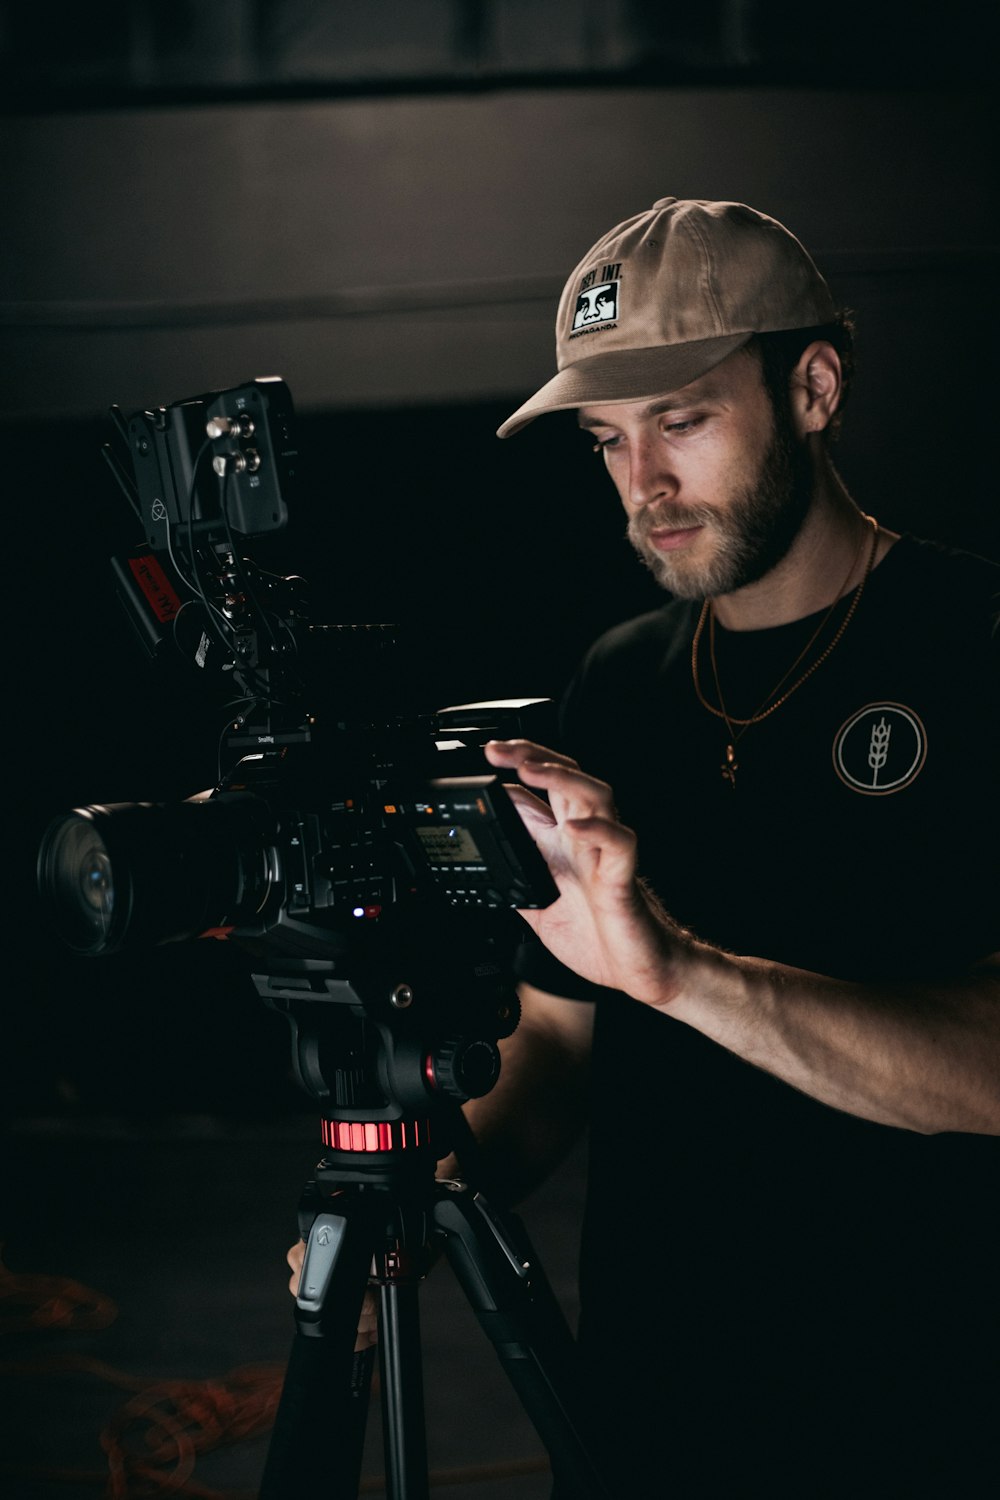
609,442
686,425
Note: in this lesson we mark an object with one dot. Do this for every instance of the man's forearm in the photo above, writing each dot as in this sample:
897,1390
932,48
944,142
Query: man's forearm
922,1057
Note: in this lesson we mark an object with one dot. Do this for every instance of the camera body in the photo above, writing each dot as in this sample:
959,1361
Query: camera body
302,841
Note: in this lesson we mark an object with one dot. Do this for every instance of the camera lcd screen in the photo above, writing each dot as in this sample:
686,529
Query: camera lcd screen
450,845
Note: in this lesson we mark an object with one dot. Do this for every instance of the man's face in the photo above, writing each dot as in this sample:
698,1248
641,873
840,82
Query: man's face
714,485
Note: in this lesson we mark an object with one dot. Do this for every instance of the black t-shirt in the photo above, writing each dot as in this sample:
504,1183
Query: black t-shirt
764,1238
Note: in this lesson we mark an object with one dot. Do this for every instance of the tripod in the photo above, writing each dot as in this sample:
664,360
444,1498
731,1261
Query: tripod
374,1213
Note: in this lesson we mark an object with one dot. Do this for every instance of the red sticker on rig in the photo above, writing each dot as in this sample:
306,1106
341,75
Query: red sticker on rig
156,586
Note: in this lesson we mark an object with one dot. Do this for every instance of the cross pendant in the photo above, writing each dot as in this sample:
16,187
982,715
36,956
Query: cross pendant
731,766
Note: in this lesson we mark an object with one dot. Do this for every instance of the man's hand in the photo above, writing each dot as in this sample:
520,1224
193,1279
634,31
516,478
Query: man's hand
605,926
368,1322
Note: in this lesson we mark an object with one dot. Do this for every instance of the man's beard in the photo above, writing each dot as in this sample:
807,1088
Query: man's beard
754,531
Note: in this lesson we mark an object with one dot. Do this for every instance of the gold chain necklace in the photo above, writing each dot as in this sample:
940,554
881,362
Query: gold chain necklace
730,765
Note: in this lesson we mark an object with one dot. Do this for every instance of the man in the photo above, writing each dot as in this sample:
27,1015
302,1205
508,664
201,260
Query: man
789,1265
776,1004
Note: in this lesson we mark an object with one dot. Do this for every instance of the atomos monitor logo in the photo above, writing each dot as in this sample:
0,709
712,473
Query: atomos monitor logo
880,749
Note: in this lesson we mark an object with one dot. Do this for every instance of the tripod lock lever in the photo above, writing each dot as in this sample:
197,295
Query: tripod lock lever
325,1240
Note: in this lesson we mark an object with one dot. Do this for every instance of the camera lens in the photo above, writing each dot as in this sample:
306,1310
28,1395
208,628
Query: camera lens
131,874
96,884
76,873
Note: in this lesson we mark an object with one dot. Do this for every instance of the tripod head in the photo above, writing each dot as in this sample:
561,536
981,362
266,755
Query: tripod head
391,1047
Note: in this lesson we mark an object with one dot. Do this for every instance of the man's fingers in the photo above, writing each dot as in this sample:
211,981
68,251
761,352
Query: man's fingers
580,812
612,844
534,812
512,754
571,793
551,771
295,1257
367,1323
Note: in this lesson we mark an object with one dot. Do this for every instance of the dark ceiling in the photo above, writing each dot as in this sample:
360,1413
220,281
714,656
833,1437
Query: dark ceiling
131,51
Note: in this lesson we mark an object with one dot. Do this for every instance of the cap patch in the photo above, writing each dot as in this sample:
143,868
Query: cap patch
597,300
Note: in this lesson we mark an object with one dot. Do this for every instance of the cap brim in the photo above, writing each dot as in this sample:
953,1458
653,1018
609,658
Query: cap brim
625,375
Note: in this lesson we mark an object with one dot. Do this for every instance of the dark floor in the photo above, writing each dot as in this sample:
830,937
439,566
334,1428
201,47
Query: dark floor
184,1225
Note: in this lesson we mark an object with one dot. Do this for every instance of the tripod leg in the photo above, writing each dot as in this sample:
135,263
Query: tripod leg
318,1437
405,1437
507,1289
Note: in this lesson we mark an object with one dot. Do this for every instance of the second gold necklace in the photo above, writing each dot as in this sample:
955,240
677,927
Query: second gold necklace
772,702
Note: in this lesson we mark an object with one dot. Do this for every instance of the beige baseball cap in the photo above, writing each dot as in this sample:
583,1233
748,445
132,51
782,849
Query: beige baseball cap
667,295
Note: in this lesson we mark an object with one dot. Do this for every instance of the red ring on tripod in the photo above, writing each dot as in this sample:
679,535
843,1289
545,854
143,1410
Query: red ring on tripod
372,1136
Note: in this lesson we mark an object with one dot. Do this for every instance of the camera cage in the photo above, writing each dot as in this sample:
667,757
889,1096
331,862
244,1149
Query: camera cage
361,856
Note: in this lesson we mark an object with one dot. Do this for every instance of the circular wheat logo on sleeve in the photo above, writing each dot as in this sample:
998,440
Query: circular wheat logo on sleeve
880,749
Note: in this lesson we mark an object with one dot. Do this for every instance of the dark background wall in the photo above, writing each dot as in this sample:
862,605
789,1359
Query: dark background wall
380,203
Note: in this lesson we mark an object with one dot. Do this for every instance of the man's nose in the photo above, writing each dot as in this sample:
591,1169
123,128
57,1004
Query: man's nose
651,476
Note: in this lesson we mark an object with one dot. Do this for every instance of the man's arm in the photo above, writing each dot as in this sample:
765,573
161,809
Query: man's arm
530,1121
923,1057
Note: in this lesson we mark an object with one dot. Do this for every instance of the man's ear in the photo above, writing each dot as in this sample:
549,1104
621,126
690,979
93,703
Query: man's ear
815,388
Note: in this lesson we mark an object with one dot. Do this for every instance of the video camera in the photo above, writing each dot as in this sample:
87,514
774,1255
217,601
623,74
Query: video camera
352,844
